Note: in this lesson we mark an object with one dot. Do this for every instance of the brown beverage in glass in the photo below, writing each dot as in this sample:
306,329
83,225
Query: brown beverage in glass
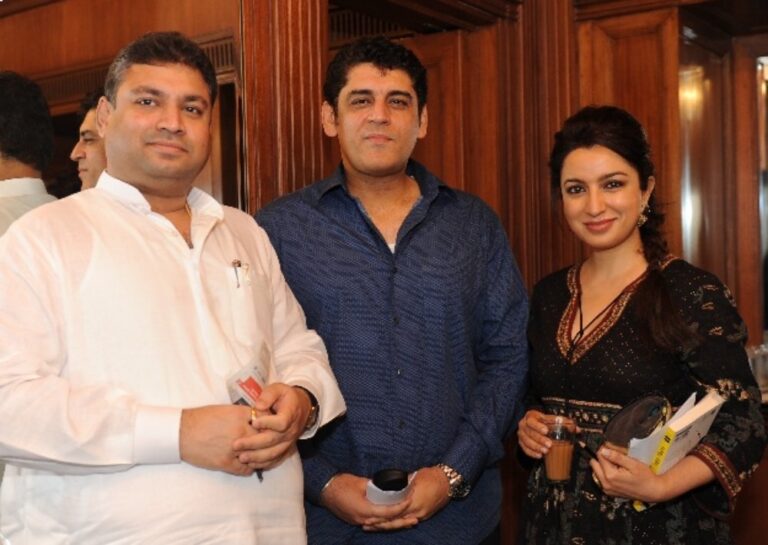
557,461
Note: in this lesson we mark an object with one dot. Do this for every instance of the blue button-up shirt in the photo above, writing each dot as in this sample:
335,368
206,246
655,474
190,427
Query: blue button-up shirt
427,343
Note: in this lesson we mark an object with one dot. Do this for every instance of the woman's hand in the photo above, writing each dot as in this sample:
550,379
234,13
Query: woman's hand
624,477
532,434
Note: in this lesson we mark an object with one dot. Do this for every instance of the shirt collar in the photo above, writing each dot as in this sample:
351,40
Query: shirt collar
198,200
429,184
17,187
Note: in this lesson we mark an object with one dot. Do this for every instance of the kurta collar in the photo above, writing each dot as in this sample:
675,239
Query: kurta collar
198,200
17,187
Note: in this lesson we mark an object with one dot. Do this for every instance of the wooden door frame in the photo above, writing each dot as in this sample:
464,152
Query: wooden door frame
744,215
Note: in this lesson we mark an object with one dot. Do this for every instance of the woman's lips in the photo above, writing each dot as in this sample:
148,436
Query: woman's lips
598,226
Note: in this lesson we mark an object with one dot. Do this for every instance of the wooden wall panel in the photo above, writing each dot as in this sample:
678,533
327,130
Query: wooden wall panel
442,149
632,61
77,33
284,48
485,107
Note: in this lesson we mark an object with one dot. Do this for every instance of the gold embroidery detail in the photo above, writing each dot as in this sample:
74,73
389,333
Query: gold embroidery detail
604,325
723,470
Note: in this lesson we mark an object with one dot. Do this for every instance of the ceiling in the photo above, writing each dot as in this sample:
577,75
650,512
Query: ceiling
735,17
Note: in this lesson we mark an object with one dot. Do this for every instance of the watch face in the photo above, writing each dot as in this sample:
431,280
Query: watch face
460,489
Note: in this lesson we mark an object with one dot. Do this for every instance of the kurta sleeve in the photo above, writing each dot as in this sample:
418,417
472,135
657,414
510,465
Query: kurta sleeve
49,423
734,445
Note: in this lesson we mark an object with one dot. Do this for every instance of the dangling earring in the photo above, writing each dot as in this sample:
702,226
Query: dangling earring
644,210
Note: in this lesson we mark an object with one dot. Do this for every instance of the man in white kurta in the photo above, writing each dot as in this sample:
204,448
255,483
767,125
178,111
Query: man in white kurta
119,327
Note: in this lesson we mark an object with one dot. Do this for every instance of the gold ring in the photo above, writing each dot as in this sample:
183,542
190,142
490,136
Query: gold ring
253,416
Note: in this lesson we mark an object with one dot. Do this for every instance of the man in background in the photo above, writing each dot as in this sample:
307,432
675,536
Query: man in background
128,313
26,147
413,288
88,153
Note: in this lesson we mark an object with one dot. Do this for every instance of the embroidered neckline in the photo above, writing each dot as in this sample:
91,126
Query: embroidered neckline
610,315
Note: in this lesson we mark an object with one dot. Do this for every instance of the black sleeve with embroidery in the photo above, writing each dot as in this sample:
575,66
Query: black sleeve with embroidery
735,442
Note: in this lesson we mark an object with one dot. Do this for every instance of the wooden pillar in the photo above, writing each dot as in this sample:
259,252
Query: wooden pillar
543,55
284,46
749,285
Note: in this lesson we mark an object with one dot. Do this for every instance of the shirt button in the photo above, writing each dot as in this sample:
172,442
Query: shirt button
396,320
401,424
399,372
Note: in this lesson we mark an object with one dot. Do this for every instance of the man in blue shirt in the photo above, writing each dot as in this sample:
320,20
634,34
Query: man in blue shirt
413,288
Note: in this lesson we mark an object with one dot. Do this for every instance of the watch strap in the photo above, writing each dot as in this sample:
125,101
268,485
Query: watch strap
314,411
458,487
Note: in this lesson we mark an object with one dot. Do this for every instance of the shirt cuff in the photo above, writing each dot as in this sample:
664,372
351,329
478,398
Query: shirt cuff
468,457
156,435
317,473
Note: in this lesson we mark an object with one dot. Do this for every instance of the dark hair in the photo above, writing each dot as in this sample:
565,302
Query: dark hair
381,52
620,132
160,48
26,128
89,102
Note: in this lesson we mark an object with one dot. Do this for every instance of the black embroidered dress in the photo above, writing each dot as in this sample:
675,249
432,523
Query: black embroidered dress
615,364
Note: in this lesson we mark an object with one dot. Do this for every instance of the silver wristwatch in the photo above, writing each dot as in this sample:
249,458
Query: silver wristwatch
457,487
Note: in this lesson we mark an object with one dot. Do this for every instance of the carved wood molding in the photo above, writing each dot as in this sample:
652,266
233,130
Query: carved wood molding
428,16
593,9
65,88
346,25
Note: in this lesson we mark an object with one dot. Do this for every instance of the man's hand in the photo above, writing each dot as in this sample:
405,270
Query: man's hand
428,494
207,433
282,415
345,497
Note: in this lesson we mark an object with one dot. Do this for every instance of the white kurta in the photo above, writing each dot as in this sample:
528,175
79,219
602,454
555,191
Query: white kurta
18,196
109,325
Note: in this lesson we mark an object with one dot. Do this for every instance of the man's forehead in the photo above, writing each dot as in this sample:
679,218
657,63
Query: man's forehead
367,76
162,78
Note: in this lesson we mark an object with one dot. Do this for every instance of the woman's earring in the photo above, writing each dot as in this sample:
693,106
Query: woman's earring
643,215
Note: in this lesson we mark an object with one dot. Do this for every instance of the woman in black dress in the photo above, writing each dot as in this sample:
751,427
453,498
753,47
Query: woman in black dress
629,321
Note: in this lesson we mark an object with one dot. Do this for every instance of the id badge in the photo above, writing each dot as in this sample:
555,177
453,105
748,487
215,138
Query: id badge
245,385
